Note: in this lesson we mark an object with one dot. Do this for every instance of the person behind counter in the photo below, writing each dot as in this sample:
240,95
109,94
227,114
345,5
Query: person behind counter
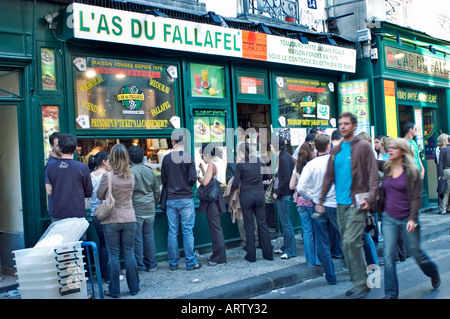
213,209
120,227
145,198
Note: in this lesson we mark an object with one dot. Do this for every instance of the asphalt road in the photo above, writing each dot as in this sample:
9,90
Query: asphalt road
412,282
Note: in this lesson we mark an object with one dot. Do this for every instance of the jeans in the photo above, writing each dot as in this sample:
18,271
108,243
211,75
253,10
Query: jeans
284,212
369,249
117,236
103,257
181,211
321,230
352,223
144,245
309,240
443,203
391,227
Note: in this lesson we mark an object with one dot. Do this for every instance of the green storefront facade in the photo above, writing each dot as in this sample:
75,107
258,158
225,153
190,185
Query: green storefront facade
410,82
124,88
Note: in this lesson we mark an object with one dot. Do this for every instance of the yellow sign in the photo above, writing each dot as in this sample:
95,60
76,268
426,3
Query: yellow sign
390,108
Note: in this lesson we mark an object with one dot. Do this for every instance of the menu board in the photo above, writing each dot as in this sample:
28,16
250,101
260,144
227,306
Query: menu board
209,126
354,98
48,69
50,125
251,85
304,102
207,80
121,94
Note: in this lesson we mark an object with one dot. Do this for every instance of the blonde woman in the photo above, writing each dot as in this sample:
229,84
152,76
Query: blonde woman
120,227
401,198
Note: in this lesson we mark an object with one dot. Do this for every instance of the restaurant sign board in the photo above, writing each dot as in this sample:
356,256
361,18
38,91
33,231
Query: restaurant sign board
117,26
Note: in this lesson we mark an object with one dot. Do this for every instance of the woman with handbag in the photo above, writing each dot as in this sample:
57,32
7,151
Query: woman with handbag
120,226
249,175
215,207
101,166
400,201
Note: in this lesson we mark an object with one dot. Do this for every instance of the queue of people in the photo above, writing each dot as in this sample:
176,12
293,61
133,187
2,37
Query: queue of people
334,183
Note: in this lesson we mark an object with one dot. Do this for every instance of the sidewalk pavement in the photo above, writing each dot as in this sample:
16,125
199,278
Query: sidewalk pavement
240,279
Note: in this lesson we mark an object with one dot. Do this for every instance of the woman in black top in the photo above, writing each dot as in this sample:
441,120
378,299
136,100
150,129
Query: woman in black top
213,209
249,174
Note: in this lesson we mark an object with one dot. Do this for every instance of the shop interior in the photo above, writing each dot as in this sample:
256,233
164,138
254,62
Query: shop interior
255,116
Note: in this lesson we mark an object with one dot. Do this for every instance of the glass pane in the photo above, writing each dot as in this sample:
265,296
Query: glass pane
121,94
207,80
9,83
48,69
251,85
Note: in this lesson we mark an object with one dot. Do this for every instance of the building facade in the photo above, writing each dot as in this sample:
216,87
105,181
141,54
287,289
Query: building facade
130,72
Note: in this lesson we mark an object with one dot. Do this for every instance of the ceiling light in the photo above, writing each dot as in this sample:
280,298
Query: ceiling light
432,49
330,41
399,41
264,28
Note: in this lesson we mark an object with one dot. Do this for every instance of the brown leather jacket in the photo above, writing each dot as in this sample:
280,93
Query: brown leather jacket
364,171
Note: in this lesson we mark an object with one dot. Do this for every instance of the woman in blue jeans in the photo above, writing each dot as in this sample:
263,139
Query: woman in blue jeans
401,197
304,207
119,228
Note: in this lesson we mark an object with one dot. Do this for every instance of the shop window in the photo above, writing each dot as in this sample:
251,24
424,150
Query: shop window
354,98
48,69
209,128
304,102
121,94
50,125
9,83
251,85
207,80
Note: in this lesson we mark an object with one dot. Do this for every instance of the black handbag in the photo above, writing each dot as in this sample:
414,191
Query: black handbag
210,192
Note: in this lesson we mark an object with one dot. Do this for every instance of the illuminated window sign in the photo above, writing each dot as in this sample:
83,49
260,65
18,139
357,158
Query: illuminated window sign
119,94
251,85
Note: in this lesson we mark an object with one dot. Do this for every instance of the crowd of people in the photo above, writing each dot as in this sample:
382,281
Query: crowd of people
339,184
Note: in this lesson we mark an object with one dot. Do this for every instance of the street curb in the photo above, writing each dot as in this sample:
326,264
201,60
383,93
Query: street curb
261,284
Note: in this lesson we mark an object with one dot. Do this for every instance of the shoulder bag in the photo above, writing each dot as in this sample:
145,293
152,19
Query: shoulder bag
106,207
210,192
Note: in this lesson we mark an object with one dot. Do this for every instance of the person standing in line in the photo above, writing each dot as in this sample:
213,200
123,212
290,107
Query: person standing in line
410,131
377,146
102,166
178,175
305,207
120,227
55,155
146,195
250,174
214,209
309,187
68,181
353,169
444,173
336,137
401,198
283,195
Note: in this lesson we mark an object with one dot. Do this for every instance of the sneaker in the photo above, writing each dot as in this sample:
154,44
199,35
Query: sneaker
152,269
278,251
198,266
285,256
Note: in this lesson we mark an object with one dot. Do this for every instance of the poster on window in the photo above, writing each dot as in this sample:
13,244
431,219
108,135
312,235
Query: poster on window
50,125
121,94
48,69
354,98
304,102
207,80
